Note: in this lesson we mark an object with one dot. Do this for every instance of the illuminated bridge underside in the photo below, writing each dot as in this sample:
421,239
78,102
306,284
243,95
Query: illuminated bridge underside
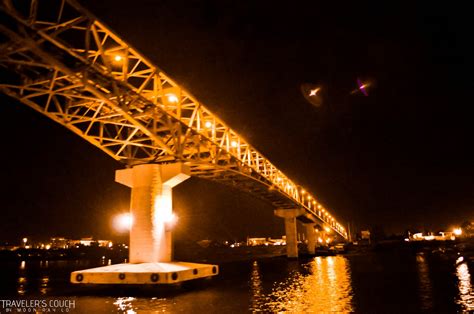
60,60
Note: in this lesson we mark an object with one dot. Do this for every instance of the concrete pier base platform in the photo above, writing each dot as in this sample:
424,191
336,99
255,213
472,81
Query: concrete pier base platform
144,273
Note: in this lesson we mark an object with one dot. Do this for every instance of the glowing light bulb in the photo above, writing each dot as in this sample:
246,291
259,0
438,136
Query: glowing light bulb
172,98
123,222
118,58
457,231
233,144
208,124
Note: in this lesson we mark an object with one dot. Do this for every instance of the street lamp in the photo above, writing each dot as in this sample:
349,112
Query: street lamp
123,222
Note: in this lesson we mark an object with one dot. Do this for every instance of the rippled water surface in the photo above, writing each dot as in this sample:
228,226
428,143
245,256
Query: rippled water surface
317,284
387,282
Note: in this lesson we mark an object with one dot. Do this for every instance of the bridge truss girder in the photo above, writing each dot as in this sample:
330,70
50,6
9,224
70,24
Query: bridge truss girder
64,63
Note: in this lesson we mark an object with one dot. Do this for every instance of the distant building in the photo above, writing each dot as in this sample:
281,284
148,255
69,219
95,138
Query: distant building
445,235
91,242
281,241
59,243
256,241
8,247
265,241
441,236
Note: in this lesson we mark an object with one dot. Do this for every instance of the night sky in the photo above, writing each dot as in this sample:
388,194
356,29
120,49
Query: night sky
400,158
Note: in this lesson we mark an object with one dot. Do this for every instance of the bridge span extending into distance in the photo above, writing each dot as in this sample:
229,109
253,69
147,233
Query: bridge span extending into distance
60,60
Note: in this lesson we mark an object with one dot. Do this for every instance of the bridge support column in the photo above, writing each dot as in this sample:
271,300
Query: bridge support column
151,209
311,237
290,229
150,236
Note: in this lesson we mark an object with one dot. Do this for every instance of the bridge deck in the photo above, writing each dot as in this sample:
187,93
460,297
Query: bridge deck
63,62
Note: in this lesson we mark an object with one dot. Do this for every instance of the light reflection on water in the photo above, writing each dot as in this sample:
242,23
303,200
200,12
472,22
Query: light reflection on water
21,284
425,288
420,283
466,293
131,305
44,288
323,286
125,305
22,281
257,295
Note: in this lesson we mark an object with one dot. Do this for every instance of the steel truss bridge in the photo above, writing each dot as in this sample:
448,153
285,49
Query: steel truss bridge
60,60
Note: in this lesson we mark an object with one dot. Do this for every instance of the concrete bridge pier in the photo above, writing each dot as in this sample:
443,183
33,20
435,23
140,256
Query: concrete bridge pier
151,246
290,229
152,209
310,237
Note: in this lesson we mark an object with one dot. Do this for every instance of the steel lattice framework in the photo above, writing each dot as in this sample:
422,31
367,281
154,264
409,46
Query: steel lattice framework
60,60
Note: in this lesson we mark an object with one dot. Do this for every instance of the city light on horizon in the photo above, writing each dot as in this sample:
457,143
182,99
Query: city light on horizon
457,231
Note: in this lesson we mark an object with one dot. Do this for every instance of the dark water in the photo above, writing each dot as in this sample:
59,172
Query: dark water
386,282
